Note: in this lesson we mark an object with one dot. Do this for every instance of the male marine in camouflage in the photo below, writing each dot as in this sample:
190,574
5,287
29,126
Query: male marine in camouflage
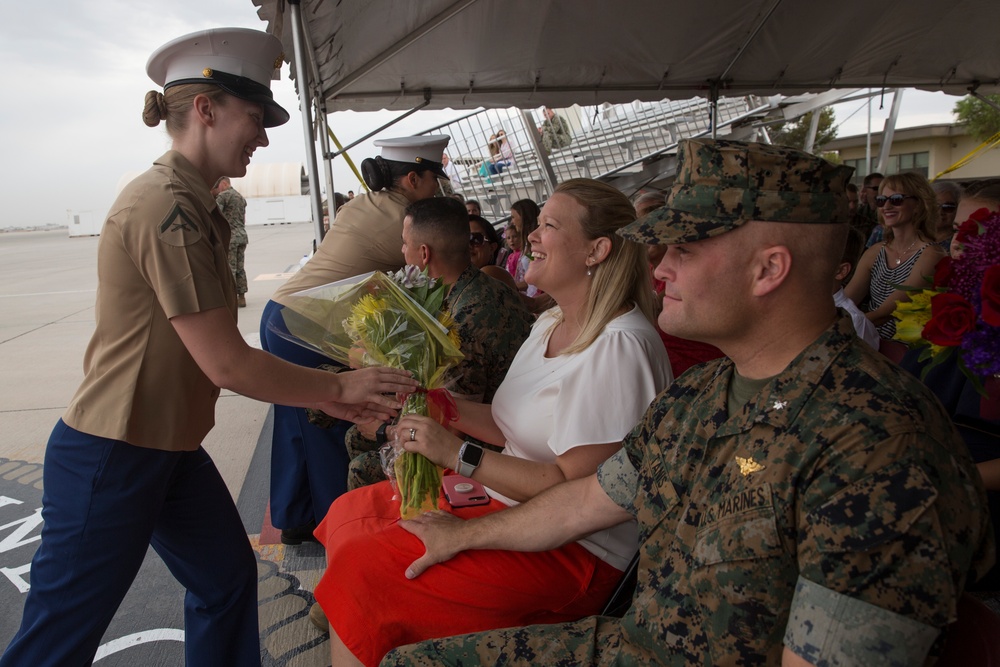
800,501
233,207
554,132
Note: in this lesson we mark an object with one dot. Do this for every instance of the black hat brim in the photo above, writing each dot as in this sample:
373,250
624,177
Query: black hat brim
245,89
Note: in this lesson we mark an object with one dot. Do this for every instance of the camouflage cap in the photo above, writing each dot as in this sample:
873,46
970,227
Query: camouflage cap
722,184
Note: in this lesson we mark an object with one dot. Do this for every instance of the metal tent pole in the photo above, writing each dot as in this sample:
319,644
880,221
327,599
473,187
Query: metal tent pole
890,129
322,130
868,138
713,109
985,100
813,128
305,104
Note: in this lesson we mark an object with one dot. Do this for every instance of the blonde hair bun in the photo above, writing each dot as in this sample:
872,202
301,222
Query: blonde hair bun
155,109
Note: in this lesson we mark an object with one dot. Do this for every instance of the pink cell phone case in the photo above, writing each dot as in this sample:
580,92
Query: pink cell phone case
462,492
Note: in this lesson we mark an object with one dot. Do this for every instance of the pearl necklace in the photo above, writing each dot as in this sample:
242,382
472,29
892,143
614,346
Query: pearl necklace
899,256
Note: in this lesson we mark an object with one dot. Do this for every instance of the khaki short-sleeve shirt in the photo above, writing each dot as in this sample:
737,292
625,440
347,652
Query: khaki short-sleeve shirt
366,236
162,254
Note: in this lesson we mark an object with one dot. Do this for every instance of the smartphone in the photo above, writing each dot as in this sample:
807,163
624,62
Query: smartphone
462,492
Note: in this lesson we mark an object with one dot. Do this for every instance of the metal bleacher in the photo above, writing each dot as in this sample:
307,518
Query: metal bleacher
627,144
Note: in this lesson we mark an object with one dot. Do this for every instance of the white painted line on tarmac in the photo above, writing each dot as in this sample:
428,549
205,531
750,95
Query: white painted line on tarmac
147,637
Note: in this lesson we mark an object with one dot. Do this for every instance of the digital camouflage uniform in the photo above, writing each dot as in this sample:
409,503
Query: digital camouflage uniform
233,207
837,512
492,323
840,496
556,133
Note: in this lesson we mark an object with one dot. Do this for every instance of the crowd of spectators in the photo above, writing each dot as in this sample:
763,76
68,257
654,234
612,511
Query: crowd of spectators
904,219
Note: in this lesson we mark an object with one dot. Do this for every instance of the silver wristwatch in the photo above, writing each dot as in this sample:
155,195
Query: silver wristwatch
469,458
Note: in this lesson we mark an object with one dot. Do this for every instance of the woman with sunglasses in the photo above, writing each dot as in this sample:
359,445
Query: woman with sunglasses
485,245
908,211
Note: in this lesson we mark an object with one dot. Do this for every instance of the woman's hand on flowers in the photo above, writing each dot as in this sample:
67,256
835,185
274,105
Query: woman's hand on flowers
438,531
428,438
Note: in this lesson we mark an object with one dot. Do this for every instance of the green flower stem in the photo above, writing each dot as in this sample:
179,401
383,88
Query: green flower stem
418,480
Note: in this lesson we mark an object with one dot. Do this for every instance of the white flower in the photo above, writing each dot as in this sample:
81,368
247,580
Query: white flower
410,277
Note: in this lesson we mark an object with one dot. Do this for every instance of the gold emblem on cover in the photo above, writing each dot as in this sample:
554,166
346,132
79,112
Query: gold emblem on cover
279,60
207,72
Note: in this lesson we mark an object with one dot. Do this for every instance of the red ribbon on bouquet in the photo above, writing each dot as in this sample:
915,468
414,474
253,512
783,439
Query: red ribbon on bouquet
441,405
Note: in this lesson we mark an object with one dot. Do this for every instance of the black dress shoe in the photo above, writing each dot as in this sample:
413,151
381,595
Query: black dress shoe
295,536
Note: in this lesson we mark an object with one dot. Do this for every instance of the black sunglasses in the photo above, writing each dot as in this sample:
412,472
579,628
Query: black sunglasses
948,207
477,238
895,200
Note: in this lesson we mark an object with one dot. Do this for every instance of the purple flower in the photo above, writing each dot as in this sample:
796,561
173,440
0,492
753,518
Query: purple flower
981,252
981,350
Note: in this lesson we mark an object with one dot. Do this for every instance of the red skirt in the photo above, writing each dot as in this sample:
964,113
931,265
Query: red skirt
374,608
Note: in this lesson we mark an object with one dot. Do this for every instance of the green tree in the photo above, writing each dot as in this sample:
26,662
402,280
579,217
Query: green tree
983,120
794,132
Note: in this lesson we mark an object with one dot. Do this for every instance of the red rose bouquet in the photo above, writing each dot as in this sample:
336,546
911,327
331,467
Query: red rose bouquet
961,314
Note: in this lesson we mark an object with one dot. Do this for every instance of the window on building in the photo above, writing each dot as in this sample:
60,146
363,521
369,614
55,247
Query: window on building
909,162
905,162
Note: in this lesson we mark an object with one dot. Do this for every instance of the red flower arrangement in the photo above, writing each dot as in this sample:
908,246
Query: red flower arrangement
964,303
951,318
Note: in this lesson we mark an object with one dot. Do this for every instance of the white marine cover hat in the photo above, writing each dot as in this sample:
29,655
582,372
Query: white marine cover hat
238,60
426,150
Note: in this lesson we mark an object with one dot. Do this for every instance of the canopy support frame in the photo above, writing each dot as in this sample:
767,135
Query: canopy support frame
305,104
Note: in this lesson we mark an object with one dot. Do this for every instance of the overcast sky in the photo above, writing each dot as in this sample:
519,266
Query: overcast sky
75,81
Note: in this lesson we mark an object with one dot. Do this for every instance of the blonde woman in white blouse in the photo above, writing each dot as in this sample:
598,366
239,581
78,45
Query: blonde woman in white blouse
580,382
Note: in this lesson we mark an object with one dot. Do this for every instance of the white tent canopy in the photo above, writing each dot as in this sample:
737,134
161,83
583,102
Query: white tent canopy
392,54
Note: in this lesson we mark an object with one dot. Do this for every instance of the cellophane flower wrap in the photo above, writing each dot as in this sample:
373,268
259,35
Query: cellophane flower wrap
960,314
395,320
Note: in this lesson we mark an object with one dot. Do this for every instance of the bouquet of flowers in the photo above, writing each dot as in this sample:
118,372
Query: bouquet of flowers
960,314
394,320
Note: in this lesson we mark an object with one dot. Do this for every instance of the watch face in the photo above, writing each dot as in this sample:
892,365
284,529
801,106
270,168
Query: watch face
472,455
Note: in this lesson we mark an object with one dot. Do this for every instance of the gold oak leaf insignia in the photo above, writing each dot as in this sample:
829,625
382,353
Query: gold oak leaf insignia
748,466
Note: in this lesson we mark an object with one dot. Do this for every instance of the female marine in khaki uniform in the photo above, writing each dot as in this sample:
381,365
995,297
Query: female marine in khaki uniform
124,467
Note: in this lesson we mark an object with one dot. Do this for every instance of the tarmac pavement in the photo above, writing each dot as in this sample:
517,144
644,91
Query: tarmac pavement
48,284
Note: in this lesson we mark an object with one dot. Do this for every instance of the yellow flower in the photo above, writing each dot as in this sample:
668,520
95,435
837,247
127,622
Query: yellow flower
912,316
448,322
369,304
366,315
